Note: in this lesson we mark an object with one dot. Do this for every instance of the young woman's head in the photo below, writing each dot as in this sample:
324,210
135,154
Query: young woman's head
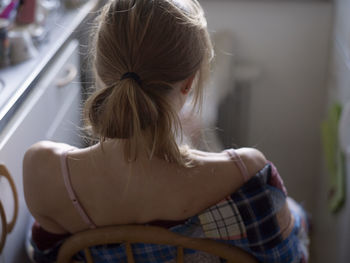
146,55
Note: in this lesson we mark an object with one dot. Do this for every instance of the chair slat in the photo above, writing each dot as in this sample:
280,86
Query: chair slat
4,172
88,255
3,227
180,255
129,254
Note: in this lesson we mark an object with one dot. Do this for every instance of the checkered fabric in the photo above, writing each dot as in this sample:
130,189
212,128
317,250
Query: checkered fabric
293,249
223,221
248,213
257,210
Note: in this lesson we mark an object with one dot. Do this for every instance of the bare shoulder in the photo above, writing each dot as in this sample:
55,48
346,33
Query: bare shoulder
253,159
36,156
216,176
42,182
41,158
42,154
41,164
42,148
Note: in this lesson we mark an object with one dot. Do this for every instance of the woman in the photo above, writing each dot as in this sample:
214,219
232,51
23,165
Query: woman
148,57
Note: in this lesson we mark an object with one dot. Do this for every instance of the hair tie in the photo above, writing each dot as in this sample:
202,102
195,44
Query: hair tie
132,75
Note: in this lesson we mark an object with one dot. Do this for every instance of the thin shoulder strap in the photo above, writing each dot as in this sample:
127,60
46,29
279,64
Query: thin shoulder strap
240,164
73,197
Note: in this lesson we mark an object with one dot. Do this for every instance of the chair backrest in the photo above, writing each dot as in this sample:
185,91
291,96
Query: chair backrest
7,226
129,234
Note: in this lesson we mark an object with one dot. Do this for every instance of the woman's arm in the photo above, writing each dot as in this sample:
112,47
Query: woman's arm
40,165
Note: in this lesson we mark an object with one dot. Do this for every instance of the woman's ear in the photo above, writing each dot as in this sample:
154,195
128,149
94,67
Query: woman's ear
187,84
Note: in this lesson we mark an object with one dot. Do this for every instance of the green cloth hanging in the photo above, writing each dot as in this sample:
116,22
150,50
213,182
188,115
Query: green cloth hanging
335,158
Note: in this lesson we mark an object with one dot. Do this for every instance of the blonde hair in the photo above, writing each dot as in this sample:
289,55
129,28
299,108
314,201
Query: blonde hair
163,42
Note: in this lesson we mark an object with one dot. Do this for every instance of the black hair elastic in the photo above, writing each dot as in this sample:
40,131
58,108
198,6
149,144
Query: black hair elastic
132,75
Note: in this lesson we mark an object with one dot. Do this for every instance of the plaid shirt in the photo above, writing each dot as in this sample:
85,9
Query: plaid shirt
249,213
246,219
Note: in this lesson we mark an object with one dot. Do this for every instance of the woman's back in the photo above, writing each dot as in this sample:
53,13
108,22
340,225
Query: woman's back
113,191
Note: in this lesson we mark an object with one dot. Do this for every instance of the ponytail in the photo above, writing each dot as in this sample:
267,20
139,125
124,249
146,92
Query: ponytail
128,111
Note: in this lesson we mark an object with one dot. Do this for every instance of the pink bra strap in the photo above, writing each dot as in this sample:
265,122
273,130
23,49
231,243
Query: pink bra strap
71,193
240,164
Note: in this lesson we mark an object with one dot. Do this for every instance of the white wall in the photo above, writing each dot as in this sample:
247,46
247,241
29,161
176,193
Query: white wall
290,42
332,231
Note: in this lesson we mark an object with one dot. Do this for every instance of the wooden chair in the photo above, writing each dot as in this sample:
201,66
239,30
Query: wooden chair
7,227
128,234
